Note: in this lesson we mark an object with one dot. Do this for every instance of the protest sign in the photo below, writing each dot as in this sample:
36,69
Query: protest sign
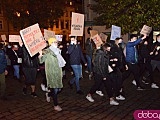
59,37
77,24
33,39
3,37
97,40
14,38
103,37
48,34
146,30
115,32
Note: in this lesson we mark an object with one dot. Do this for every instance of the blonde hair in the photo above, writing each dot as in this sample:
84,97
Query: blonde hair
51,40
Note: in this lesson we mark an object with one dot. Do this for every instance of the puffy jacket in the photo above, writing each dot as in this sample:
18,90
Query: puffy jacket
100,63
3,62
131,51
27,61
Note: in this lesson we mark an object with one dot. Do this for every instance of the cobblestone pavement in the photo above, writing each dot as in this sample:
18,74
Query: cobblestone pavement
76,107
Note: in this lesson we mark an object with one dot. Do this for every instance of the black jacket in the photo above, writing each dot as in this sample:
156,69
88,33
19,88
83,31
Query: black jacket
89,47
155,49
100,63
28,61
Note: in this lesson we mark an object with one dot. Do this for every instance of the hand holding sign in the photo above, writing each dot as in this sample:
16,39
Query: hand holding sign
146,30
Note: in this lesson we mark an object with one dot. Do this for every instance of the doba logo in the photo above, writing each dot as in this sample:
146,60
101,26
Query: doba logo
147,114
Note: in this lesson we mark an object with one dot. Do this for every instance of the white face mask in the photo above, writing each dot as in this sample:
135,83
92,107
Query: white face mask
54,45
9,46
73,42
158,40
16,46
120,41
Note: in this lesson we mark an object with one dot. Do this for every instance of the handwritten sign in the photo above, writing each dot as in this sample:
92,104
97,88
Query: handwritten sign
77,24
14,38
33,39
48,34
97,40
103,37
59,37
3,37
115,32
146,30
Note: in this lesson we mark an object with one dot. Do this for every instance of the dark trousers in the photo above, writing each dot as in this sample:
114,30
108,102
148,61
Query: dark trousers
54,94
135,70
44,80
99,81
116,78
146,69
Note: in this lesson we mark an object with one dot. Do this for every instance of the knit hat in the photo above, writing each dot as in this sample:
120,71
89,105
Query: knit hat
51,40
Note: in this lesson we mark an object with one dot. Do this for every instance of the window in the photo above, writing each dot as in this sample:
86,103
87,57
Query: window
57,24
1,25
67,24
62,24
0,9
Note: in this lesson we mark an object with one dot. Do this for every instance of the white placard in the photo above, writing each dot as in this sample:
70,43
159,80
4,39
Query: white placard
59,37
77,24
115,32
48,34
14,38
33,39
3,37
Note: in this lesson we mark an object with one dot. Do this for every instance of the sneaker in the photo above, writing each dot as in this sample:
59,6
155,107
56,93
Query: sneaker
99,93
120,97
86,71
113,102
89,98
24,91
80,92
134,82
48,99
33,94
153,85
145,82
57,108
140,88
43,87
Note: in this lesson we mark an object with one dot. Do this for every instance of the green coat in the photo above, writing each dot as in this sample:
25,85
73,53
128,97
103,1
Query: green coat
52,69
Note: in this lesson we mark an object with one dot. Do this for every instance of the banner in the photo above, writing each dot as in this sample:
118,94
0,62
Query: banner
77,24
33,39
48,34
115,32
59,37
3,37
146,30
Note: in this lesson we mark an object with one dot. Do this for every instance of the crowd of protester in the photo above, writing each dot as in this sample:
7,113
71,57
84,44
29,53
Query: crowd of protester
109,65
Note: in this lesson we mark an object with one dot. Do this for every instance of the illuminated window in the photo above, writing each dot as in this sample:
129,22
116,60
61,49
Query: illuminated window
0,9
1,25
57,24
62,24
70,3
67,24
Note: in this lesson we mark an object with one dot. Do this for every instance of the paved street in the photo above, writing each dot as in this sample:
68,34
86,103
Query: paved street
76,107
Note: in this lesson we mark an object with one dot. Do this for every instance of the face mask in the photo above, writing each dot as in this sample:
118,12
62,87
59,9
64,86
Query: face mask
16,46
73,42
9,46
120,41
158,40
54,45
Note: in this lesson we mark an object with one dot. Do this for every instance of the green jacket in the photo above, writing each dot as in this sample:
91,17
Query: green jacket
52,69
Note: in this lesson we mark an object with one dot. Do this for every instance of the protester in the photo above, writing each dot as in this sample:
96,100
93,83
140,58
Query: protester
53,69
76,55
3,72
132,58
101,74
15,57
30,66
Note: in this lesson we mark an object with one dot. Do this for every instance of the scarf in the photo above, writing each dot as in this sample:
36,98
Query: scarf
57,52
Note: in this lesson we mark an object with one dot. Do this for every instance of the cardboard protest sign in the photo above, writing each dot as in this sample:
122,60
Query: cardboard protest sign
146,30
115,32
14,38
33,39
93,33
77,24
103,37
97,40
48,34
59,37
3,37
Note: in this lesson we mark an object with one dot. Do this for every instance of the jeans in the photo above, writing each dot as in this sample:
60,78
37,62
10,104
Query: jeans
89,63
77,74
2,84
16,71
